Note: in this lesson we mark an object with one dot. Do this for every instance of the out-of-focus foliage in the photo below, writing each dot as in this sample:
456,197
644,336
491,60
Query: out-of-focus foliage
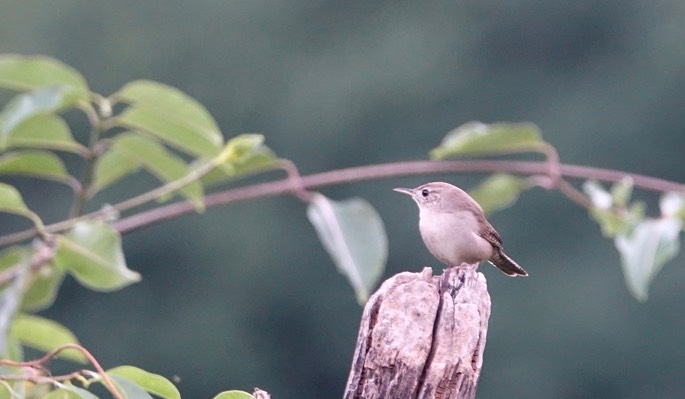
333,85
353,234
89,248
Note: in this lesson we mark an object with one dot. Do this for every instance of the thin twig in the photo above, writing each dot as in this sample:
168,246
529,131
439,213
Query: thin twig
397,169
574,194
297,187
554,163
362,173
81,195
40,363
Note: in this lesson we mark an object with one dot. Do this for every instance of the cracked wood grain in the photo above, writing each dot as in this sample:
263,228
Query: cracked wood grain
422,336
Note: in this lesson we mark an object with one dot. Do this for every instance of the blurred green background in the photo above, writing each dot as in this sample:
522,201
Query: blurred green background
245,295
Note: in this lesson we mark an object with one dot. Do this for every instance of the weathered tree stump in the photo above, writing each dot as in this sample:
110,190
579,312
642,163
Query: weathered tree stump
422,336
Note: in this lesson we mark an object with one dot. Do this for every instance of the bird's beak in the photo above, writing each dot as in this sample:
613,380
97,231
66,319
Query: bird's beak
408,191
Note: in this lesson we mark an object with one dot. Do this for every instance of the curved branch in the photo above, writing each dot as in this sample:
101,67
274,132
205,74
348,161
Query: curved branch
389,170
40,363
363,173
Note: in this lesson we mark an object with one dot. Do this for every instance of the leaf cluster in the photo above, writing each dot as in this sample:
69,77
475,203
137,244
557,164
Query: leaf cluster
146,126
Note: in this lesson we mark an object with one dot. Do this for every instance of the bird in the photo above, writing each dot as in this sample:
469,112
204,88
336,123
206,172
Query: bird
455,230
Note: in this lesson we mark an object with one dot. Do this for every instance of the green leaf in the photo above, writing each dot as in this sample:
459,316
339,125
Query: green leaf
498,192
41,101
10,257
40,164
12,202
150,382
645,249
613,222
25,73
14,350
45,335
70,392
43,290
621,192
353,234
476,138
112,166
133,150
5,390
42,283
608,211
247,152
128,388
42,131
242,155
91,252
170,115
234,395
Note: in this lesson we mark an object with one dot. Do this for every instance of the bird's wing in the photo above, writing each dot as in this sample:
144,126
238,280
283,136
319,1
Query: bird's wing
490,234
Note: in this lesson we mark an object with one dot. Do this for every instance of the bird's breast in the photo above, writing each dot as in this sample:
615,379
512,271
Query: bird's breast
452,237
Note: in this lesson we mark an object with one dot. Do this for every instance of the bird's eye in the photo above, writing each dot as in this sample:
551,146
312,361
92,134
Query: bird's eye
425,192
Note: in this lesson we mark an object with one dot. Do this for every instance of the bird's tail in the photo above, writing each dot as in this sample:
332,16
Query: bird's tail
507,265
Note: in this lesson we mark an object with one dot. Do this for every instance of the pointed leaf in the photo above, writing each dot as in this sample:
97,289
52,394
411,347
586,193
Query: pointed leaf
247,152
41,131
11,201
644,251
169,100
153,383
171,115
70,392
242,155
91,252
157,160
241,148
45,335
476,138
128,388
234,395
40,164
353,234
24,73
621,192
498,192
42,101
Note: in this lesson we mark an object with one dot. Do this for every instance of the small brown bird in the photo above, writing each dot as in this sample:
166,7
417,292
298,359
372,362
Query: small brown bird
455,230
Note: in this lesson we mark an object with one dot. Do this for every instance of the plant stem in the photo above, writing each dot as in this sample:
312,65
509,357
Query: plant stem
81,195
40,363
356,174
173,186
389,170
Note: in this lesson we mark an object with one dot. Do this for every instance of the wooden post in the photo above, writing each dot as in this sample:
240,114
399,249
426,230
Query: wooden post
422,336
